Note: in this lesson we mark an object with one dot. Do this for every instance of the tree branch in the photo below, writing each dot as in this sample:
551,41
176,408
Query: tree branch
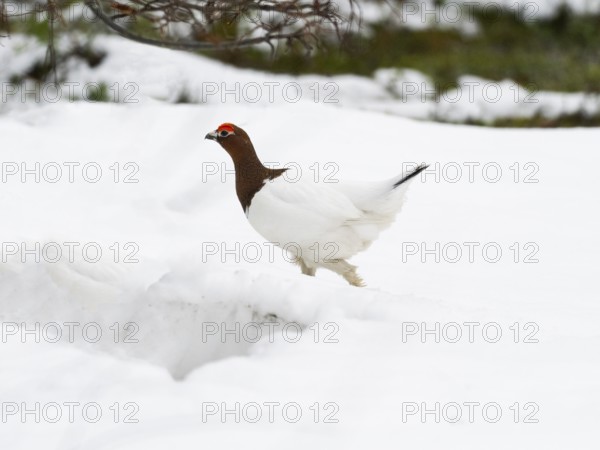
290,21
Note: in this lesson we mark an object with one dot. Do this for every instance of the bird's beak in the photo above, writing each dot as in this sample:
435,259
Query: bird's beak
212,136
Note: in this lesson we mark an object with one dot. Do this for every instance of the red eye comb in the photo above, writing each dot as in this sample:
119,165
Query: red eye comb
226,127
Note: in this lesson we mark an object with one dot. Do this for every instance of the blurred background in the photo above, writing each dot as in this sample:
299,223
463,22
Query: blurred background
527,63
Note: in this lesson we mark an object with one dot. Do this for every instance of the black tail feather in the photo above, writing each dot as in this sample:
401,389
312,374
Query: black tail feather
414,173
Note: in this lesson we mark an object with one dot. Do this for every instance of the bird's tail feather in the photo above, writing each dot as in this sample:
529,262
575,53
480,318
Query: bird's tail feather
412,174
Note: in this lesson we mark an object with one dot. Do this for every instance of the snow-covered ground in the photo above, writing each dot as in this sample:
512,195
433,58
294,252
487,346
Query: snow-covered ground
499,236
183,77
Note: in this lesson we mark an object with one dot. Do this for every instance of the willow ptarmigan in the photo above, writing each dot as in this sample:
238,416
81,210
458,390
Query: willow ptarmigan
321,224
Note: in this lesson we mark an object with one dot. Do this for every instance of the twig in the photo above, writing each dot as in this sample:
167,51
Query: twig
297,21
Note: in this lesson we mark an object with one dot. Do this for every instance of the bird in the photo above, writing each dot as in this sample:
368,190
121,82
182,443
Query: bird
321,225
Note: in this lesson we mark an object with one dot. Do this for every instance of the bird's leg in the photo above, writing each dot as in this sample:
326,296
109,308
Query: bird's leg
346,270
353,278
310,271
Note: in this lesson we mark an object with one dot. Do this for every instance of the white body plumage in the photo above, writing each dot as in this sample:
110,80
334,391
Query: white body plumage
323,223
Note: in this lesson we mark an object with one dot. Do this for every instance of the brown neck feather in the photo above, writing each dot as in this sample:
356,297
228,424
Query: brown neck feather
250,173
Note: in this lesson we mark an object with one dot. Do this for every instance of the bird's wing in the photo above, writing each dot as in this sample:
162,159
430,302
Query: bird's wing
305,210
349,215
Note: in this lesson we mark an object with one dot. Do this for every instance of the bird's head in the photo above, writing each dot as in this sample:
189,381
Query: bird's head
223,131
233,139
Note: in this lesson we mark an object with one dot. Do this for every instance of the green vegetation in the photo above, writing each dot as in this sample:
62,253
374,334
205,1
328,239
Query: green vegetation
560,53
578,119
42,71
98,93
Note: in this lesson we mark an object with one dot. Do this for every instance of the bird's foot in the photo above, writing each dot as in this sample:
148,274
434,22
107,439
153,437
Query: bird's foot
310,271
346,270
354,279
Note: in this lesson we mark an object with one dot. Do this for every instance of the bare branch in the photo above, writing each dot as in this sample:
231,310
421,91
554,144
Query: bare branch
267,20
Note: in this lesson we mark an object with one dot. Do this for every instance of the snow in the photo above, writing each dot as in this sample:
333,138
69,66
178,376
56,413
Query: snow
179,289
400,92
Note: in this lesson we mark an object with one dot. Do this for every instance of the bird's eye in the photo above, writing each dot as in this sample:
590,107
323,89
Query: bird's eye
223,133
